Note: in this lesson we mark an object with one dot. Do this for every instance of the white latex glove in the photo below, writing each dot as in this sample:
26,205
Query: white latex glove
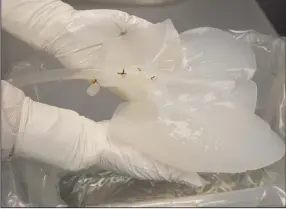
63,138
74,37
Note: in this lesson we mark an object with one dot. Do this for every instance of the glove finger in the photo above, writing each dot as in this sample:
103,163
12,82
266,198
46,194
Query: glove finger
128,22
80,45
125,160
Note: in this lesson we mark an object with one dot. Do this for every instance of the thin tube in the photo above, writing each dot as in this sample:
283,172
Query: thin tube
54,75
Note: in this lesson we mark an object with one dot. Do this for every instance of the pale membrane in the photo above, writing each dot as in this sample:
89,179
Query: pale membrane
213,53
198,116
132,64
215,139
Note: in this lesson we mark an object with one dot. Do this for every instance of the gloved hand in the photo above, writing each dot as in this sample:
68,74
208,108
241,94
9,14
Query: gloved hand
63,138
74,37
58,136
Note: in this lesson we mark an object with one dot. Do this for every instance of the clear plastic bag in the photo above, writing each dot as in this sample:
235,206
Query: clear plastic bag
106,188
27,183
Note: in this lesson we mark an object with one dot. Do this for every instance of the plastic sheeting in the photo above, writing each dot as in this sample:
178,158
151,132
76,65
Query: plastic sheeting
27,183
108,189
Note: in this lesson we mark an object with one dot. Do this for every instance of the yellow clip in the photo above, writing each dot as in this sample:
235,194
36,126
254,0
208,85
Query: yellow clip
93,81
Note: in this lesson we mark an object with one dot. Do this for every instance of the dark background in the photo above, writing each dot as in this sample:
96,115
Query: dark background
275,10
